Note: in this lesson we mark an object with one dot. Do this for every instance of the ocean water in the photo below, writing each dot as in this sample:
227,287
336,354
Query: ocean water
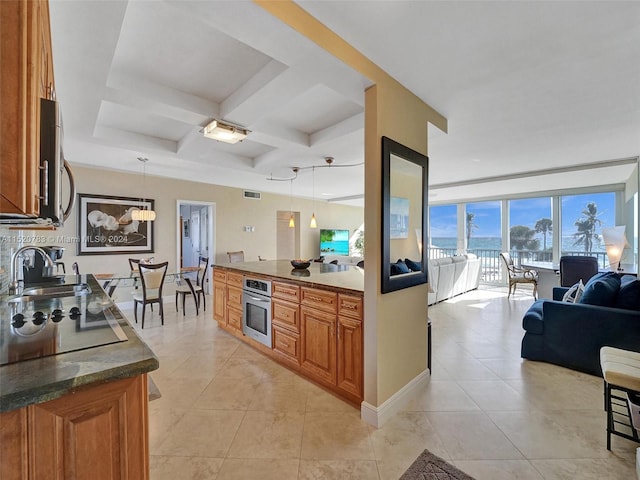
336,247
495,243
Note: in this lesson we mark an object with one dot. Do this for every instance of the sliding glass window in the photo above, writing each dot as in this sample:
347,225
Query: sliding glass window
482,227
443,230
583,217
531,229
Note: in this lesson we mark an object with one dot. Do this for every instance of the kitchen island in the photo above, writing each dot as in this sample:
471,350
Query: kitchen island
73,389
315,319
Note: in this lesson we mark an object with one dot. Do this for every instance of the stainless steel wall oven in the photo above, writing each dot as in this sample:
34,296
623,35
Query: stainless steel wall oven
256,315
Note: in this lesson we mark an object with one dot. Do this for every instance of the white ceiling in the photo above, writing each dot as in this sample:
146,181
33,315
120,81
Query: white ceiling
527,88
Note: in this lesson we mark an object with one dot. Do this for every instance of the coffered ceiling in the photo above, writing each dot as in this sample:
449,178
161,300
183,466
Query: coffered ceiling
528,88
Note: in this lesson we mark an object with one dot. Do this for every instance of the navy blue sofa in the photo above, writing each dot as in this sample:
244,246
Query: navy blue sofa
571,334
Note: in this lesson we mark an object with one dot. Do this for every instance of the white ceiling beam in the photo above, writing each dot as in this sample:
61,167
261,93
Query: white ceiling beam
161,109
333,132
135,141
253,86
160,94
187,139
277,135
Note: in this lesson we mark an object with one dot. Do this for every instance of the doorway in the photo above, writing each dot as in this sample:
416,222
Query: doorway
288,238
195,236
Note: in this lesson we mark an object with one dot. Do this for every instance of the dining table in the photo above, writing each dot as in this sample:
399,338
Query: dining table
111,281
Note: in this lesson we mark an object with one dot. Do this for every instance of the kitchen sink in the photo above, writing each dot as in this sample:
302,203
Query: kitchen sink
40,293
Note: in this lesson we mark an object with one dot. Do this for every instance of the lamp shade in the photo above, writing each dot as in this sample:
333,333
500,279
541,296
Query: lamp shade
313,223
143,215
614,242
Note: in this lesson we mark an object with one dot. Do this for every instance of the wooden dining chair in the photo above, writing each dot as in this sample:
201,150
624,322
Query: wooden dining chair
152,277
236,257
519,275
197,290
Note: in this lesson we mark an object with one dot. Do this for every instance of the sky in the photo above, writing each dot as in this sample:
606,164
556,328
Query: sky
522,212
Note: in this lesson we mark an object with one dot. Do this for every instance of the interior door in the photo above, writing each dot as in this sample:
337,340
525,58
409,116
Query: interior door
288,239
204,240
195,237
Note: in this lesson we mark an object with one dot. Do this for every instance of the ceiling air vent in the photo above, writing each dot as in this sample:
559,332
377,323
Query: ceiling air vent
252,195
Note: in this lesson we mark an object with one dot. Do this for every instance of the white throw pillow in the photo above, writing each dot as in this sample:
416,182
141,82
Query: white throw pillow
574,293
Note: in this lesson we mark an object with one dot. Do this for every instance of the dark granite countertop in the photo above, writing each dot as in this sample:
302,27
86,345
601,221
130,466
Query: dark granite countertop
322,275
45,378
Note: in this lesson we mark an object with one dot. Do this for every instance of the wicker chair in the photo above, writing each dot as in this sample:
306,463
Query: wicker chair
519,275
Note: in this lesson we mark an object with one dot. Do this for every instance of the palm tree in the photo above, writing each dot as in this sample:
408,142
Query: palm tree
521,237
544,226
587,225
471,225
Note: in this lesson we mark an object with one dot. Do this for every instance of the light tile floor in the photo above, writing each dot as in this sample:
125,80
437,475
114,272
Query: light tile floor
227,412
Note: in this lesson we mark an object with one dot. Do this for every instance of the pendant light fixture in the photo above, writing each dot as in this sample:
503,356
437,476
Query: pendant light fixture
292,221
143,215
313,223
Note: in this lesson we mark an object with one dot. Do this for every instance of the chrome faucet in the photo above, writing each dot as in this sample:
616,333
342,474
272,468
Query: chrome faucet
17,284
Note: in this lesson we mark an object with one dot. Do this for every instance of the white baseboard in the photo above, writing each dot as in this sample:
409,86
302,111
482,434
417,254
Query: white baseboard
378,416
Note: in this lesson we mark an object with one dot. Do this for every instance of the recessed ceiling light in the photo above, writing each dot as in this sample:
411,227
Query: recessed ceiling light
225,132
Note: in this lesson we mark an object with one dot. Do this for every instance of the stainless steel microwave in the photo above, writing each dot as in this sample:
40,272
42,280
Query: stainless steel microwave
52,169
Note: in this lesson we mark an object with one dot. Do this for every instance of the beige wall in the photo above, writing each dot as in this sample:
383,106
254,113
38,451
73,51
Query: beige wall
395,325
396,322
232,213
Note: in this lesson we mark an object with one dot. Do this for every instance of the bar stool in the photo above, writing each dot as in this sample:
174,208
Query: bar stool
621,372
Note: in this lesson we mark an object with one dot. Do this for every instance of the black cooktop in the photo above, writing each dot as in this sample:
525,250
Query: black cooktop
34,329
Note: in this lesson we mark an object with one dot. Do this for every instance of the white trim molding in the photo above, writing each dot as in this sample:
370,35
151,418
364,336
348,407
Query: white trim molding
378,416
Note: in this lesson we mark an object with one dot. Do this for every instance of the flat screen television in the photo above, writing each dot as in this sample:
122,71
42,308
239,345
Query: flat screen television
334,242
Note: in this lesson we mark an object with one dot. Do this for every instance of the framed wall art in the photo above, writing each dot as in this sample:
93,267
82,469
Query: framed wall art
105,226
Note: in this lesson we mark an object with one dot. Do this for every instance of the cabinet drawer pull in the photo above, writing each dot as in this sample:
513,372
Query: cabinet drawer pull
349,306
314,298
284,344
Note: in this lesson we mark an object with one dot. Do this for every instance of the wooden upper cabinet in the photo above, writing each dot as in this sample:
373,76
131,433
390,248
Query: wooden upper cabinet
26,76
46,87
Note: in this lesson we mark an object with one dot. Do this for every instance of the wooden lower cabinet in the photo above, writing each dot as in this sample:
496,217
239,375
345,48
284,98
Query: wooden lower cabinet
350,356
315,332
318,352
97,433
219,303
234,319
286,344
286,314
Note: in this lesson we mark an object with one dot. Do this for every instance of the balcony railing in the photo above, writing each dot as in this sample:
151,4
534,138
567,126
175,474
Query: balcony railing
492,269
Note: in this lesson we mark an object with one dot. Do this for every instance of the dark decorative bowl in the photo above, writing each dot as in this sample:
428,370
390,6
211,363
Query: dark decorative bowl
300,264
